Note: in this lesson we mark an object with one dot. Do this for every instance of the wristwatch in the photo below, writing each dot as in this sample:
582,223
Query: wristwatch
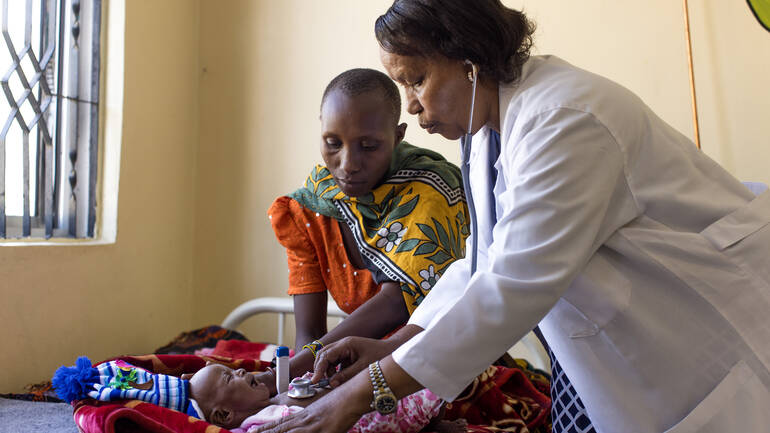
384,400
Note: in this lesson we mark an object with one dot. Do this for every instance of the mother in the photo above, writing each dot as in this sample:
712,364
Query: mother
374,228
645,264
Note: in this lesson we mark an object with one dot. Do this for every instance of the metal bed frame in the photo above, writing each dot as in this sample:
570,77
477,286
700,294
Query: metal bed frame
528,347
280,306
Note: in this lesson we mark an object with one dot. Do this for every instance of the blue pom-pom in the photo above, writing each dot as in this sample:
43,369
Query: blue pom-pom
72,383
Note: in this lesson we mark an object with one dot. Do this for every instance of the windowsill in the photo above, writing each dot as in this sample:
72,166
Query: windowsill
60,237
55,242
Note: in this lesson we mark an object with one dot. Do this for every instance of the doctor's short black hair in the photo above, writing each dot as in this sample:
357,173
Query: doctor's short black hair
486,32
358,81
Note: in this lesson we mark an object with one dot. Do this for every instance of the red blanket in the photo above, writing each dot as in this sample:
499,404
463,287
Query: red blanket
501,399
505,399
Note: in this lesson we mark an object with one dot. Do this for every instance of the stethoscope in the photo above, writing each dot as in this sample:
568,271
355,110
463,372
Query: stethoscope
465,152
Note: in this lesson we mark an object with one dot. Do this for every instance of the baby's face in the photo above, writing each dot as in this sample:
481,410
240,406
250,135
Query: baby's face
218,385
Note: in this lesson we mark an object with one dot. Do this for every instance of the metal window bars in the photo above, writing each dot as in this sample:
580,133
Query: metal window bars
51,95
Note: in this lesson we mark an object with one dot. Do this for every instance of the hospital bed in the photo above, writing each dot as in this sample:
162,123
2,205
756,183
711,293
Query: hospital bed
528,347
22,416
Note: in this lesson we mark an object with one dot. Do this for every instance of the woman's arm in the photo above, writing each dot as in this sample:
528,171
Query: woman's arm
378,316
309,317
374,319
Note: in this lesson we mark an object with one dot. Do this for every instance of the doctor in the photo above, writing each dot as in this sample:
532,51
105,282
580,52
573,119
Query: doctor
644,263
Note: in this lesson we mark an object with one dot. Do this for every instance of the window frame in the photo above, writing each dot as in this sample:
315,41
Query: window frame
68,161
104,161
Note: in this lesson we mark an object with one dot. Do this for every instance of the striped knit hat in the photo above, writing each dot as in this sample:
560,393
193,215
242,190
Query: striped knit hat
119,380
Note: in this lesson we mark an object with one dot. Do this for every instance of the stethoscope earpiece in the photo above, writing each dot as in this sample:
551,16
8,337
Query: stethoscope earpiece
474,72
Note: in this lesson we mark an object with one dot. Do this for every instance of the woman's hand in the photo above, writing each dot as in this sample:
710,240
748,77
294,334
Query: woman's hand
335,412
352,354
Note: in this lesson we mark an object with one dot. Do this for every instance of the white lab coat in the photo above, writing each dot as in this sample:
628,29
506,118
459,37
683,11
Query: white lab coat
646,265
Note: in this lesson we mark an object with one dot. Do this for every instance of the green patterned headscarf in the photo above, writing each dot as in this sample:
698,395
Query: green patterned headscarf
411,227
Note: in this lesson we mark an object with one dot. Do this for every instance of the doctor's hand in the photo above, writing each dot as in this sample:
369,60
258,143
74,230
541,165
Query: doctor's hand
353,354
350,355
335,412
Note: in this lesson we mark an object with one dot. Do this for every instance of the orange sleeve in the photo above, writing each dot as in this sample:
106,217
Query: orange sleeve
290,227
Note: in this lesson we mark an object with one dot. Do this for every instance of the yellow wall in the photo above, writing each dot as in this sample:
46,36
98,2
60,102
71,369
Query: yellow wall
133,296
642,46
221,117
268,62
266,65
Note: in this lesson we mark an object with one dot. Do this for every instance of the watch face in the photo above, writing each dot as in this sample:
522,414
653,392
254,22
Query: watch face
385,403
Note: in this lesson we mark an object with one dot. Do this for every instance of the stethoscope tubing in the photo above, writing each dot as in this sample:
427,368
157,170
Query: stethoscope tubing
465,151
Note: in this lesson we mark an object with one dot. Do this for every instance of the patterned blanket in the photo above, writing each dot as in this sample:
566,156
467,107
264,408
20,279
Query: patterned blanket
502,399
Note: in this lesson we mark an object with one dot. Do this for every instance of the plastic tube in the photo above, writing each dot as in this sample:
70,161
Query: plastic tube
282,369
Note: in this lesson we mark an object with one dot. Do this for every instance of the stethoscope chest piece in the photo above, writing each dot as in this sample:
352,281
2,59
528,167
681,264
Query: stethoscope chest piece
300,388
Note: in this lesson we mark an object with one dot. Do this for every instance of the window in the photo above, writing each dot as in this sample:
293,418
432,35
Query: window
49,109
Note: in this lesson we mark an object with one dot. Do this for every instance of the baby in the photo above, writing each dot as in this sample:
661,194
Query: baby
232,399
216,393
236,400
226,397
